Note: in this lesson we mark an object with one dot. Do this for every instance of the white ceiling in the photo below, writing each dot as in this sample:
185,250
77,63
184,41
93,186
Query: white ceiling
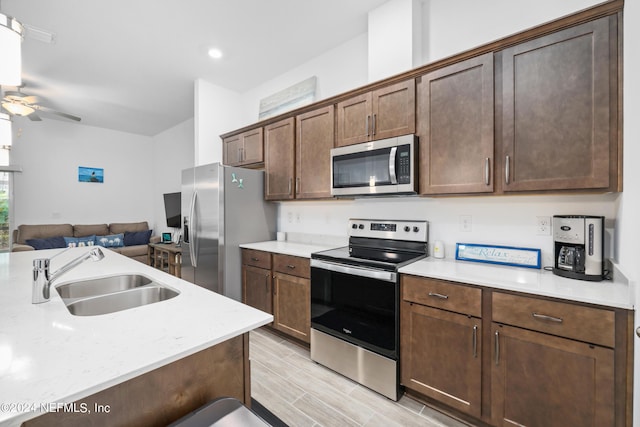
130,65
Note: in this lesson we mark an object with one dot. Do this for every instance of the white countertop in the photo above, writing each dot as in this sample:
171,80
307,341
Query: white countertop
49,356
287,248
617,293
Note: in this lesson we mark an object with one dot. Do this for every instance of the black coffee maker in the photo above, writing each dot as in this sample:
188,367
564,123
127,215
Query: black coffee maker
579,246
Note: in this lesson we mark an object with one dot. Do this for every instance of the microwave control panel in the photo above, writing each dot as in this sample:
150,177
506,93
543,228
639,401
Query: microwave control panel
403,166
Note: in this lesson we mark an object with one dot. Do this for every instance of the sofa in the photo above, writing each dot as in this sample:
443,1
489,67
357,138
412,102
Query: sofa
129,239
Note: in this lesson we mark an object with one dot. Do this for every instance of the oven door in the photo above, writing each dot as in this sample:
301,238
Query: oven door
356,304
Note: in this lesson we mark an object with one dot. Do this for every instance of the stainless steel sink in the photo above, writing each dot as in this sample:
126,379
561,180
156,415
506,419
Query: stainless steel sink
101,286
111,294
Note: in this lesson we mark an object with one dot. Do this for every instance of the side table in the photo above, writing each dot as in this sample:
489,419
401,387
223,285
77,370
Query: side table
165,256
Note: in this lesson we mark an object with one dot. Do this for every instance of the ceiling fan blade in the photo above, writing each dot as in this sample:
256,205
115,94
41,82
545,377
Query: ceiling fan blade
34,117
58,113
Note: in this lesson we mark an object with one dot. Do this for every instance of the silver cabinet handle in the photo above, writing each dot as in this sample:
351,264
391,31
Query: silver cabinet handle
638,331
367,126
255,259
373,125
506,169
239,154
298,185
545,317
437,295
475,341
291,267
290,183
486,171
497,348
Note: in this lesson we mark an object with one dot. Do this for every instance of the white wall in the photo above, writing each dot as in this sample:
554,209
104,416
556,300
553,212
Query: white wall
48,191
219,110
216,112
452,27
395,44
173,151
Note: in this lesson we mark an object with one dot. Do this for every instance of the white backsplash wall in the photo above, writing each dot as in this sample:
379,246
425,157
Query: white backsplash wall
499,220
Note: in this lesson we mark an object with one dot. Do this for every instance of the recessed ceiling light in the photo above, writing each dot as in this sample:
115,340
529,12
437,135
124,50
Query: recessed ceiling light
215,53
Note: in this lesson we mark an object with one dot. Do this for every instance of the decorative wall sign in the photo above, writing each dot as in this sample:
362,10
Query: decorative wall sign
90,174
504,255
300,94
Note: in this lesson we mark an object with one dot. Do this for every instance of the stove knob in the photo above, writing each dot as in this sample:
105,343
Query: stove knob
416,229
361,226
407,228
354,226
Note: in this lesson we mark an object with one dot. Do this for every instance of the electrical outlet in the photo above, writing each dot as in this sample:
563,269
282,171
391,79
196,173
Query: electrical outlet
290,217
543,227
465,223
298,217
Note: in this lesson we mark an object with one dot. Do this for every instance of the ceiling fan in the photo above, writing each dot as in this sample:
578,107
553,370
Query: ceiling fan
19,104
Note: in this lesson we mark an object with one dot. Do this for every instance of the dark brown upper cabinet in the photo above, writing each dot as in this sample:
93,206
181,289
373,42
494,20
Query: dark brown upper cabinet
381,113
243,149
455,128
559,110
279,143
314,141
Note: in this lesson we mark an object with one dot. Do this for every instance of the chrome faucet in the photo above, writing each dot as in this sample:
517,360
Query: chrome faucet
41,289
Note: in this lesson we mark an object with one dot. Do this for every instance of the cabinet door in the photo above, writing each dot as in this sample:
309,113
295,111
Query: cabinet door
279,143
455,128
232,150
315,138
256,288
354,120
292,305
557,110
393,110
252,147
441,356
540,380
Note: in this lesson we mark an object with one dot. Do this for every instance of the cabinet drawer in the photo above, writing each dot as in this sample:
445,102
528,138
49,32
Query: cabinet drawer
256,258
568,320
440,294
293,265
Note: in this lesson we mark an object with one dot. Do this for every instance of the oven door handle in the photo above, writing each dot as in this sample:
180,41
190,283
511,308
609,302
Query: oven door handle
386,276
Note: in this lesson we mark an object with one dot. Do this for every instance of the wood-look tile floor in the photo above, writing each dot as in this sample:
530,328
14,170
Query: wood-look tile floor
302,393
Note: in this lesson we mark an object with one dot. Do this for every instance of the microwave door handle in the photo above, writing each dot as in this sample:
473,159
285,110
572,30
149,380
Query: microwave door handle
392,165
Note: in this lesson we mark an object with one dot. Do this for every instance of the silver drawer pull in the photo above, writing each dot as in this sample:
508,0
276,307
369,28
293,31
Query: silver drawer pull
545,317
291,266
255,259
433,294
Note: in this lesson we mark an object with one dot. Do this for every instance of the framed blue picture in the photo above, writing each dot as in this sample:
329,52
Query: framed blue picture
86,174
503,255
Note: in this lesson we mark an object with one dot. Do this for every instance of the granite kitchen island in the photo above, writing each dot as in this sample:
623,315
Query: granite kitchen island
147,365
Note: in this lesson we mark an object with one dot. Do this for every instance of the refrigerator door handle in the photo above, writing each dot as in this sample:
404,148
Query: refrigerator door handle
194,227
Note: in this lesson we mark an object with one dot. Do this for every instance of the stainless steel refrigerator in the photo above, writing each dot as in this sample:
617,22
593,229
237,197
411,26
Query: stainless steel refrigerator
222,207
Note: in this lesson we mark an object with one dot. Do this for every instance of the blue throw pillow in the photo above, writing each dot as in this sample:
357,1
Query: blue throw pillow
50,243
133,238
78,242
110,241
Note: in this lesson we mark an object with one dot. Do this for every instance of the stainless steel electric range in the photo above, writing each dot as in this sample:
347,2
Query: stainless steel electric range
355,301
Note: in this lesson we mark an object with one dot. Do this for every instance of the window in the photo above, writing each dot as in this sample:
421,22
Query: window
5,202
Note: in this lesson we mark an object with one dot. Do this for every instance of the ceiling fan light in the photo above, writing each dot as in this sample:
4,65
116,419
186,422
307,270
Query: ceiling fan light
17,109
5,130
10,51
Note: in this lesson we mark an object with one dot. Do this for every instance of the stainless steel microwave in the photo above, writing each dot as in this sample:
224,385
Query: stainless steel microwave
379,167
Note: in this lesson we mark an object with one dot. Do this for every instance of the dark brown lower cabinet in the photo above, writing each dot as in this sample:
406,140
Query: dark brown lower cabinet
441,356
539,380
292,305
256,288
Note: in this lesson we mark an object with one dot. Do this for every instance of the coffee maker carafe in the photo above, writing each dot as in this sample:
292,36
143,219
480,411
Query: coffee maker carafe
579,246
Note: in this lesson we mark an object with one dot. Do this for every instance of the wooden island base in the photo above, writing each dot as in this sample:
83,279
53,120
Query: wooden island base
165,394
